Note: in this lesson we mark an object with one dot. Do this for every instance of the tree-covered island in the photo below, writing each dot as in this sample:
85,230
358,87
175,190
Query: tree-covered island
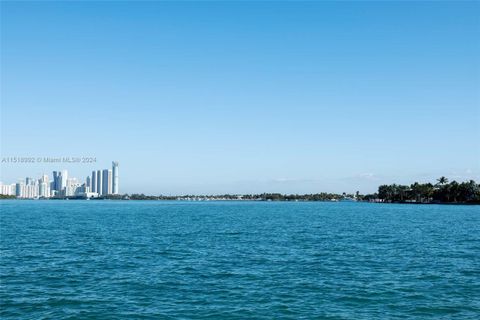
442,191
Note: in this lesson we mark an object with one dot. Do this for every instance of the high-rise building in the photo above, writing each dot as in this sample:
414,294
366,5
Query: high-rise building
43,187
115,177
43,190
19,189
94,181
55,181
63,177
44,178
88,182
72,188
107,181
110,181
28,191
99,182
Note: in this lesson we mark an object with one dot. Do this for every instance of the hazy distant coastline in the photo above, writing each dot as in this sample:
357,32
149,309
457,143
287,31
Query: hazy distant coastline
442,192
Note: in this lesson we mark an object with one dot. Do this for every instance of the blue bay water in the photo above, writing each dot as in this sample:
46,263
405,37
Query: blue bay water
238,260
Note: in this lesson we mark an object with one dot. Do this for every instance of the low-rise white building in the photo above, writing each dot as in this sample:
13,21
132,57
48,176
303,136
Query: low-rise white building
7,189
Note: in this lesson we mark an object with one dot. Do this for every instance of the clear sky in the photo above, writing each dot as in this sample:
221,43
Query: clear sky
241,97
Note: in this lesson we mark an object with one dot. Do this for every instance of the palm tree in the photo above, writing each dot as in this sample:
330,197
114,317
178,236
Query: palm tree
442,180
417,191
454,190
402,191
383,192
427,191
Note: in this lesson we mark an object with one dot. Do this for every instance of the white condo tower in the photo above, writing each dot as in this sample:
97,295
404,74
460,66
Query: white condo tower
115,177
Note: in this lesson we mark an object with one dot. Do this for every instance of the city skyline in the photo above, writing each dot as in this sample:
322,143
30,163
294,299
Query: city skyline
244,97
99,184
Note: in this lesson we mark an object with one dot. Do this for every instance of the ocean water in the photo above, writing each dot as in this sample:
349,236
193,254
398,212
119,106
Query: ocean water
238,260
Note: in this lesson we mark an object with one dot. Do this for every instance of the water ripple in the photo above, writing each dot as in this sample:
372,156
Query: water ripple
238,260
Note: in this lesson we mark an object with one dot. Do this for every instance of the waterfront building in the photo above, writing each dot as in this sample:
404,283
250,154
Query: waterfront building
88,182
55,183
72,181
7,189
107,181
44,178
94,181
99,182
26,191
44,186
110,181
59,181
62,180
115,177
88,195
18,189
30,191
72,190
44,190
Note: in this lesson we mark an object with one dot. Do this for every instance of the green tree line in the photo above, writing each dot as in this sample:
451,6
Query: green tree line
442,191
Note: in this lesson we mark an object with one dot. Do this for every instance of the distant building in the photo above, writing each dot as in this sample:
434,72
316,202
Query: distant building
88,195
19,189
43,190
115,177
26,191
44,187
62,180
99,182
7,189
30,192
73,187
55,183
94,181
107,182
44,178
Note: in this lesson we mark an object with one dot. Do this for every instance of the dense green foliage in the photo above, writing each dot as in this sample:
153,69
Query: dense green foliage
441,192
4,196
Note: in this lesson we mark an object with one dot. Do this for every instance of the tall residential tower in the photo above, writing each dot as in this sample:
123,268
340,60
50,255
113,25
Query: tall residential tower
115,177
107,181
94,181
99,182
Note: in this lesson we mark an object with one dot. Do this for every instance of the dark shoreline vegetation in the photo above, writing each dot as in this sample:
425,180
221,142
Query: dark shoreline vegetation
442,192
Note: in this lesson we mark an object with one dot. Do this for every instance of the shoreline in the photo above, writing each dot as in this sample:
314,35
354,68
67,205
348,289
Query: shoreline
243,200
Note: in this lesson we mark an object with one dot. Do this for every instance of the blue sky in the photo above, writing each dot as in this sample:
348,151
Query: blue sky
240,97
